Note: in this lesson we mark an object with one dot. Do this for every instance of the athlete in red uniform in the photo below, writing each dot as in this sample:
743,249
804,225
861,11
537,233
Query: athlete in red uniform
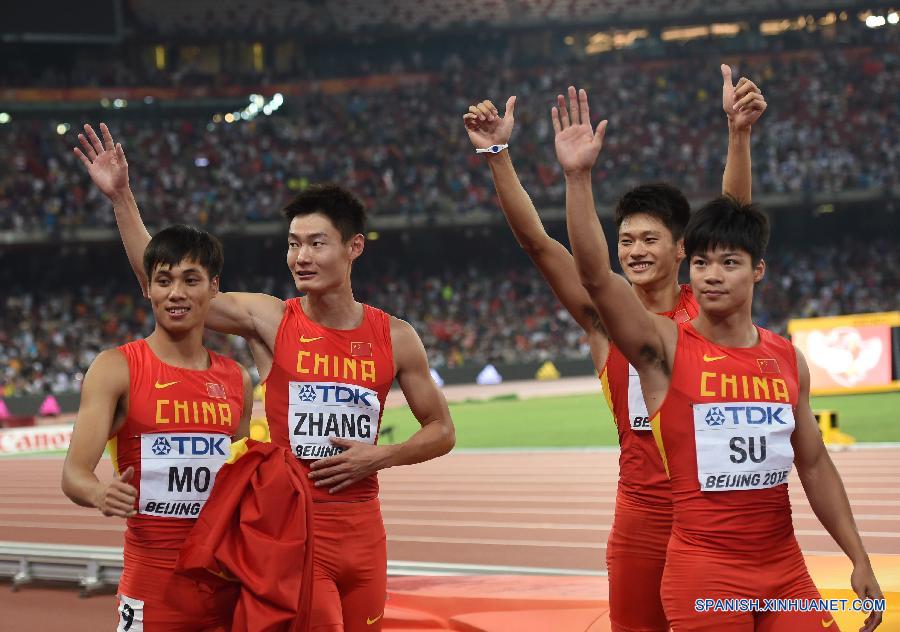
650,220
321,355
169,408
733,404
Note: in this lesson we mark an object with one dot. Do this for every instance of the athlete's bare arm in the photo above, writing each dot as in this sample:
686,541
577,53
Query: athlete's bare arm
645,339
485,128
104,402
827,496
436,437
243,429
743,104
255,317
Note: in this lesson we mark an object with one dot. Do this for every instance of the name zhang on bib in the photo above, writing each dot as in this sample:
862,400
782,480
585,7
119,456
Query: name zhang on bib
320,411
743,445
178,471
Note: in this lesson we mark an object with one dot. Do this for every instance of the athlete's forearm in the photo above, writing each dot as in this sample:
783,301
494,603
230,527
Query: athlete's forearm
432,440
133,232
737,181
519,210
828,499
80,485
585,232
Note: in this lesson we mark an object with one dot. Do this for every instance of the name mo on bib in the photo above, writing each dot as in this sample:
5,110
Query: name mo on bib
178,471
320,411
743,445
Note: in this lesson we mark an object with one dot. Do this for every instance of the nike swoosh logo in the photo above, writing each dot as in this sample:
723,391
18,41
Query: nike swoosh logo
707,358
827,624
166,385
375,620
304,339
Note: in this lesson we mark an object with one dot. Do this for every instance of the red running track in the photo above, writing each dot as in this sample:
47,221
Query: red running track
549,509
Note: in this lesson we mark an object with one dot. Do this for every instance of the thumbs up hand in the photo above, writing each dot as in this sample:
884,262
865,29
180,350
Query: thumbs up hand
117,497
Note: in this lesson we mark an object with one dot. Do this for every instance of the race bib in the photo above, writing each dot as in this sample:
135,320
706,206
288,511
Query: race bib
638,417
743,445
321,411
131,615
178,471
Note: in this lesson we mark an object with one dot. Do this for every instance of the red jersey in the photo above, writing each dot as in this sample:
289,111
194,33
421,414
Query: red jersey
327,383
724,433
642,477
176,435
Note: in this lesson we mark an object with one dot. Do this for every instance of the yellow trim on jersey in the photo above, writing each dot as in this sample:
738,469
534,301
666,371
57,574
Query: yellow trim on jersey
656,426
112,447
604,385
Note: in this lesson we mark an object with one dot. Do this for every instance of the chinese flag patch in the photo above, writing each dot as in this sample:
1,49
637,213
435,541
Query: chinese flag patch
768,365
361,349
681,316
215,390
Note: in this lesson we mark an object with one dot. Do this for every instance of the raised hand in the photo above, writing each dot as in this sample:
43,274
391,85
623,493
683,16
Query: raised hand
105,162
486,127
743,103
577,143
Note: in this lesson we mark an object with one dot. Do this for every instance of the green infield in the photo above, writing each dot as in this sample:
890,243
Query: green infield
585,420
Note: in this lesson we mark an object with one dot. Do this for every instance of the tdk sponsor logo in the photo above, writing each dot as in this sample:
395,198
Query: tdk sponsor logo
307,393
715,417
190,445
746,415
335,394
161,447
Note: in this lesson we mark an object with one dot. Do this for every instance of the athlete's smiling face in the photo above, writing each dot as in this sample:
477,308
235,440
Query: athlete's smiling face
180,295
317,257
648,253
723,279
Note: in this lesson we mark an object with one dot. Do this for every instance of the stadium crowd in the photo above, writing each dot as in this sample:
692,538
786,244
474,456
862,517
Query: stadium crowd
828,129
465,315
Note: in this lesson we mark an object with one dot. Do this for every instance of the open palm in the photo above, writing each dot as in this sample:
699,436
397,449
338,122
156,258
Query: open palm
105,162
577,144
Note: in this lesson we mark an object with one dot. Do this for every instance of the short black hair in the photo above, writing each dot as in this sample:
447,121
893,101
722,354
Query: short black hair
726,223
345,210
179,242
660,200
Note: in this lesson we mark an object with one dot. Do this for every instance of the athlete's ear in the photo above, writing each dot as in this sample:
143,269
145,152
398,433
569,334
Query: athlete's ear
759,271
214,286
679,250
357,244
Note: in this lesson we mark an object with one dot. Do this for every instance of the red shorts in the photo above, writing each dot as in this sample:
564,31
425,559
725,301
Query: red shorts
349,567
635,558
153,598
693,574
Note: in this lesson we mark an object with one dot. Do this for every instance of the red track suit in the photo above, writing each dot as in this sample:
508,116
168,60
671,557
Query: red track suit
724,433
329,383
177,434
636,549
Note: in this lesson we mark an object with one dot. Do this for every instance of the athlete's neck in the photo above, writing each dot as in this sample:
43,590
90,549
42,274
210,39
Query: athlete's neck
731,330
335,309
659,298
184,351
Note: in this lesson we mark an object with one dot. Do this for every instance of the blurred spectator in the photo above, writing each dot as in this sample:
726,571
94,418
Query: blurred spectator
828,129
